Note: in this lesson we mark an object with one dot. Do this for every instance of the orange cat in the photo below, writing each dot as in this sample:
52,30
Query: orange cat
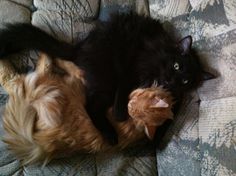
45,114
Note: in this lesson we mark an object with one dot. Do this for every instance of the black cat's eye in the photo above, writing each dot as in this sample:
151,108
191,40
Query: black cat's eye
176,66
185,81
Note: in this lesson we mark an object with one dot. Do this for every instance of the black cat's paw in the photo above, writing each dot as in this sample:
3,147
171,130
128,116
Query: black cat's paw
120,115
120,118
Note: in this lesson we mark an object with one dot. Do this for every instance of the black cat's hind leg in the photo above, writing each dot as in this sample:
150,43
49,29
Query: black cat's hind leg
97,106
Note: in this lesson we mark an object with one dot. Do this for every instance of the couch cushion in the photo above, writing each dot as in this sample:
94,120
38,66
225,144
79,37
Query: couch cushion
205,143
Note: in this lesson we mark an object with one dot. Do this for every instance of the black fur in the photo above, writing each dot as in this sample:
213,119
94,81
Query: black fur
118,56
19,37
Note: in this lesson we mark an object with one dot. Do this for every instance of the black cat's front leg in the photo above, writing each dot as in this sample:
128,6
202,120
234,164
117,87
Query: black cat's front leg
162,130
160,133
97,107
120,108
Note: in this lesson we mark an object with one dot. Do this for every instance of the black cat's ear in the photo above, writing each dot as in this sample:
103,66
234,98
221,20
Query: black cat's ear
185,45
207,76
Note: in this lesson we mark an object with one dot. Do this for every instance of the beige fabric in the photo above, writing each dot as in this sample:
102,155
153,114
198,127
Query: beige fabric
168,9
10,8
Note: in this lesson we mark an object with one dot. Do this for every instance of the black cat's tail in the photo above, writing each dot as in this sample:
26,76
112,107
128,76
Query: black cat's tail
21,36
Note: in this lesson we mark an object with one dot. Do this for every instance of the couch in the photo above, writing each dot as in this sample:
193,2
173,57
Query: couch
201,139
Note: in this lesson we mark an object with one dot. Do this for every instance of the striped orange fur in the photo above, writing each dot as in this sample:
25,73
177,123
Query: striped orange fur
45,114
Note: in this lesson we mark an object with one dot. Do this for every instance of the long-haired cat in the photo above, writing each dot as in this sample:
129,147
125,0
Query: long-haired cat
45,114
118,56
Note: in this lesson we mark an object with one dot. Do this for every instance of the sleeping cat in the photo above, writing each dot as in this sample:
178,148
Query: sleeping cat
118,56
45,116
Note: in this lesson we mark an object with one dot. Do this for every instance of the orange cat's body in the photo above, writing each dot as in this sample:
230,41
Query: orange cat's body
46,115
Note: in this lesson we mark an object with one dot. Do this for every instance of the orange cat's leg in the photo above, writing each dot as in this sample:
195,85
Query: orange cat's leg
44,64
70,68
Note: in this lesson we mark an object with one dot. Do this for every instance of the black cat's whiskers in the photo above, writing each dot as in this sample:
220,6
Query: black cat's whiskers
155,83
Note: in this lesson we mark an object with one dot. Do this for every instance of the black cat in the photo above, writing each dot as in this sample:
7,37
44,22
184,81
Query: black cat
127,52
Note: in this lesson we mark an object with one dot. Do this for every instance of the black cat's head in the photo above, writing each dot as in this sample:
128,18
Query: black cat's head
176,67
183,70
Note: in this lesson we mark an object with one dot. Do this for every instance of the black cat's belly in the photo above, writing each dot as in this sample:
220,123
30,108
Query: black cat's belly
113,49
